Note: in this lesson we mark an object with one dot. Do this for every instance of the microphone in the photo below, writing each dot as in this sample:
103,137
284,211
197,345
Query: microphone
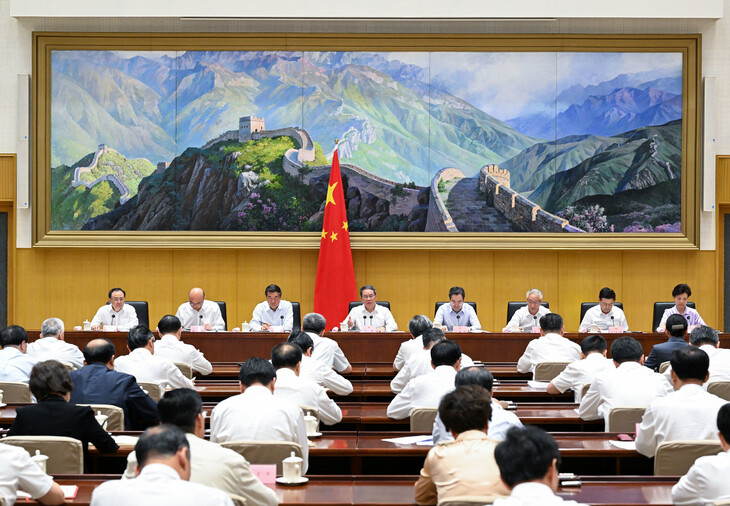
364,320
612,321
201,318
113,316
371,320
458,320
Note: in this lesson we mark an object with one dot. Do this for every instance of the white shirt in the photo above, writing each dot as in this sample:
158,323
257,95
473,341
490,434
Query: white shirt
594,316
533,494
262,313
328,352
629,385
688,413
157,484
548,348
47,348
407,350
719,365
381,317
258,415
171,348
18,472
467,317
582,373
124,319
705,482
418,365
210,312
145,366
525,320
306,394
423,392
502,421
316,372
15,365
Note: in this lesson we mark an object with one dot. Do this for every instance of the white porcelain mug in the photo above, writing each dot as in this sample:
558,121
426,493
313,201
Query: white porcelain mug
245,327
1,396
292,466
311,423
344,327
40,460
101,419
87,325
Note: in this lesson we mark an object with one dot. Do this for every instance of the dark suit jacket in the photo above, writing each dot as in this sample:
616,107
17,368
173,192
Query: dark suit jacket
97,384
662,352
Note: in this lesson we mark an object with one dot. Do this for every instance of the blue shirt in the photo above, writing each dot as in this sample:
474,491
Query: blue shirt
467,317
15,365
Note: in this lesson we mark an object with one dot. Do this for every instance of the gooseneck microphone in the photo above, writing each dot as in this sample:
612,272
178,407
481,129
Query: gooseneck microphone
371,320
364,320
113,316
458,320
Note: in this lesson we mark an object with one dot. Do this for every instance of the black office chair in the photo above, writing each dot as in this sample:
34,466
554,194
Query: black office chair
383,303
297,313
659,308
142,309
585,306
513,306
439,304
224,314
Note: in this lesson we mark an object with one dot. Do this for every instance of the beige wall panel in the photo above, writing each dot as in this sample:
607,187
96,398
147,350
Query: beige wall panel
146,275
308,275
33,290
472,270
7,177
703,278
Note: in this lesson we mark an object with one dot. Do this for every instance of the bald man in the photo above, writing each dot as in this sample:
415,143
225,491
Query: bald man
198,312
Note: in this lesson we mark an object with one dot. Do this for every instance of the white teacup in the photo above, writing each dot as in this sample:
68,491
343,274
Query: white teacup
311,423
101,419
40,460
344,327
1,396
87,325
292,466
245,327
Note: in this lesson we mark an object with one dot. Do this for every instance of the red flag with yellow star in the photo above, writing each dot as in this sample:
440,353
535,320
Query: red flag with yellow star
335,286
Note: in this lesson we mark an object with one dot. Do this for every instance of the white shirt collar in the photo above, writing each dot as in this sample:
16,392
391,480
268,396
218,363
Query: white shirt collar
159,469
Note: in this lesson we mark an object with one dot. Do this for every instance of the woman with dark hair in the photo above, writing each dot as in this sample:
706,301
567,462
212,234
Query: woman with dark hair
681,293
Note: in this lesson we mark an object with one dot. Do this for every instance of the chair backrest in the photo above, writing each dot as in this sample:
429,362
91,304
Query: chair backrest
224,313
312,411
724,502
513,306
664,366
585,306
659,308
115,414
422,419
546,371
237,500
2,501
65,454
154,390
623,419
297,314
720,388
15,391
265,452
383,303
142,309
674,458
439,304
185,369
584,390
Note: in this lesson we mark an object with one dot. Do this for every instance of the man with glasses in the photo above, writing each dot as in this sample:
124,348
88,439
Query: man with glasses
116,313
370,315
527,317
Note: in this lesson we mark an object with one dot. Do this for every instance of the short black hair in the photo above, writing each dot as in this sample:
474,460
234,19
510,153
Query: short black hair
272,288
285,355
457,290
704,335
49,377
169,324
445,352
301,339
690,362
256,370
180,407
626,349
526,454
723,421
432,335
160,441
468,407
116,290
474,375
606,293
677,325
680,289
419,324
13,335
368,287
99,353
551,322
139,336
593,343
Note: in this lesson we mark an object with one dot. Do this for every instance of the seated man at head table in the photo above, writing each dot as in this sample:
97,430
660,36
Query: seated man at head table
98,383
681,294
210,463
706,481
456,313
528,316
464,468
257,414
420,363
170,346
15,363
528,461
604,315
325,350
690,412
52,346
417,326
369,314
274,313
501,420
675,331
582,372
19,472
200,312
426,391
315,371
551,346
707,339
145,366
163,456
116,313
629,385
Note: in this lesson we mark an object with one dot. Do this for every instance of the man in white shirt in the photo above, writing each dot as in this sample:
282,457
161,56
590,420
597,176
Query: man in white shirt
199,312
593,362
551,346
15,364
528,461
163,456
528,316
455,313
286,359
145,366
116,313
604,315
274,313
52,346
210,463
426,391
706,482
326,350
689,412
19,472
314,370
417,326
369,315
170,347
629,385
706,339
257,414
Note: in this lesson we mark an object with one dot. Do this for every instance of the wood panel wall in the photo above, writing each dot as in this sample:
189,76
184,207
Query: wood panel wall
7,177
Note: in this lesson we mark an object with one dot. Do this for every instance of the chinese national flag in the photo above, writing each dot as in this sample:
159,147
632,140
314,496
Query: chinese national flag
335,286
